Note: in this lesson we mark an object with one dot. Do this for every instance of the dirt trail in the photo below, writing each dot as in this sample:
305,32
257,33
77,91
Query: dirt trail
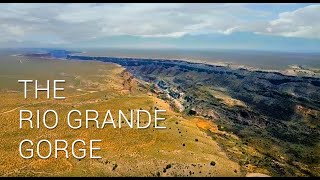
1,113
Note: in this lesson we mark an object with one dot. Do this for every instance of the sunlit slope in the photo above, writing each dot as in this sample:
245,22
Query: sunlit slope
182,149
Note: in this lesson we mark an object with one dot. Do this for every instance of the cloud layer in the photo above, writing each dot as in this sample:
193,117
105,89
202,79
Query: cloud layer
72,23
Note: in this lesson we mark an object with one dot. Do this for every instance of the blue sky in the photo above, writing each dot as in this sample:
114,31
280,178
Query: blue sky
281,27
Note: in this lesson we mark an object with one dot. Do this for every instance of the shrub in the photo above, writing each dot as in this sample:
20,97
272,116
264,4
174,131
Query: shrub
213,163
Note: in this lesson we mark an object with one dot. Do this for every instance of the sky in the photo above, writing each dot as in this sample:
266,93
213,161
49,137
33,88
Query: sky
279,26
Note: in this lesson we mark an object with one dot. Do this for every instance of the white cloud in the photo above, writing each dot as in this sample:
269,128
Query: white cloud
303,22
72,23
230,30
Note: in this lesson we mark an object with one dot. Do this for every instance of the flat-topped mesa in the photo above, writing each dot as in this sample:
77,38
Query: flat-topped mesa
191,66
